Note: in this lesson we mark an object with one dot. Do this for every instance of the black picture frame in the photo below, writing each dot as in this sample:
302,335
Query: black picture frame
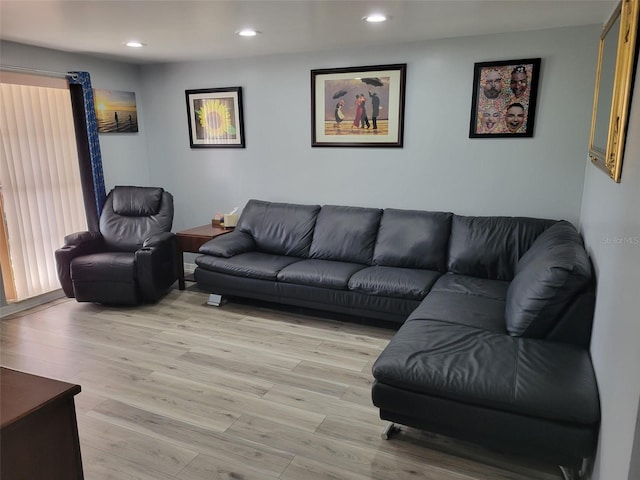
335,93
504,98
215,118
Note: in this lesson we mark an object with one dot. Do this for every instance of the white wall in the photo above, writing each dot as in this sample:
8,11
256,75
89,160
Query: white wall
610,221
439,168
634,469
124,155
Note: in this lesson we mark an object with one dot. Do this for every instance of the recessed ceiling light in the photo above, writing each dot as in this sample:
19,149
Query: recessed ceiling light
135,44
248,32
375,18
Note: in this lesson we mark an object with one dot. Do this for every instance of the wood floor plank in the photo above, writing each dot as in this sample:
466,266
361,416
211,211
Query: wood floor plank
234,401
205,467
180,390
103,465
360,378
220,446
302,398
333,453
270,373
436,451
143,450
163,401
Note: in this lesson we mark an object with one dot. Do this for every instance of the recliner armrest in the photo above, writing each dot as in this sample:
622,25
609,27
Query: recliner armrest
157,265
157,239
78,238
229,244
76,245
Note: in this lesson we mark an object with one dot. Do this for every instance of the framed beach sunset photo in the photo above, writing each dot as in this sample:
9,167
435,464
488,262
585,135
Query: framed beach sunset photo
116,111
358,106
215,118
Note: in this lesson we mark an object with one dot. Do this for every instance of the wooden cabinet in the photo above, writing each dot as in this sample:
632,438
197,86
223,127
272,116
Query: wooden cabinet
38,432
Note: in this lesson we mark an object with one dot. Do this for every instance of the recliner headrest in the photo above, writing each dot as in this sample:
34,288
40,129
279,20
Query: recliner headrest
137,201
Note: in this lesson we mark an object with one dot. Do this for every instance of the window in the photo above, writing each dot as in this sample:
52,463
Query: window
40,184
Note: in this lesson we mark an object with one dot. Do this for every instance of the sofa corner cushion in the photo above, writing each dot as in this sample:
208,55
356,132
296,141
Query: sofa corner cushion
490,247
548,276
413,239
345,234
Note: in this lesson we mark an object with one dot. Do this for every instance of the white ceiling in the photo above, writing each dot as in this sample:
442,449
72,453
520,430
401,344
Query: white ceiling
186,30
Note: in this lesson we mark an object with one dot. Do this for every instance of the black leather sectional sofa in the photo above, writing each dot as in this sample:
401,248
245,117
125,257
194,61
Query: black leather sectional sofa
494,313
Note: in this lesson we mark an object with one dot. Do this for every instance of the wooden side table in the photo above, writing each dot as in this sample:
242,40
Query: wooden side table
191,240
38,428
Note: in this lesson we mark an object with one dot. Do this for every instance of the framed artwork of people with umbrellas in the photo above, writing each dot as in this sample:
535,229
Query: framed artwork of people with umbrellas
358,106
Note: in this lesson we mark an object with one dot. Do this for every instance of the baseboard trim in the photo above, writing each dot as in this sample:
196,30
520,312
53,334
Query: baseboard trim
17,307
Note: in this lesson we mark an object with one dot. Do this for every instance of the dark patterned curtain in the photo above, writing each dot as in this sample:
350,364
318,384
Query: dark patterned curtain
91,175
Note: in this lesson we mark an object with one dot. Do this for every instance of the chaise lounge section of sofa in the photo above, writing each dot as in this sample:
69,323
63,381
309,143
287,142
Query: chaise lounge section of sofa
494,313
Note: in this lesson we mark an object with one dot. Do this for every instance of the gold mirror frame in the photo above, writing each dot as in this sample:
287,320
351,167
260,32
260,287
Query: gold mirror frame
609,157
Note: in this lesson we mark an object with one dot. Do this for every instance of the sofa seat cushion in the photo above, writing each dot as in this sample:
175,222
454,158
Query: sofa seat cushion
460,309
526,376
252,264
395,282
320,273
104,267
463,300
465,285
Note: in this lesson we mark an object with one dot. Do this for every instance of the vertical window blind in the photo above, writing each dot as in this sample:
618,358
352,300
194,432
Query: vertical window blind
39,178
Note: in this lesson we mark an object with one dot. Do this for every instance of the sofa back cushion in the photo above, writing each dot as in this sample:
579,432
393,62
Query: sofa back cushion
345,234
413,239
490,247
279,228
548,276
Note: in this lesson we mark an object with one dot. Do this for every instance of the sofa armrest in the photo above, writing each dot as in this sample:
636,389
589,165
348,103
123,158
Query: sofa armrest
75,245
156,265
229,244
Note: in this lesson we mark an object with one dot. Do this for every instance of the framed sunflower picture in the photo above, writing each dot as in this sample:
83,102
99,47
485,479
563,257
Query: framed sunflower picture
215,118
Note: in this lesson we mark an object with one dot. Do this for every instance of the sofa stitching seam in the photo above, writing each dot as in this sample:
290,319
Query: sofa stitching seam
515,371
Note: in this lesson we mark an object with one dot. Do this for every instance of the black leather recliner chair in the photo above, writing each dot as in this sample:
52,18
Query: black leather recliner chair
132,259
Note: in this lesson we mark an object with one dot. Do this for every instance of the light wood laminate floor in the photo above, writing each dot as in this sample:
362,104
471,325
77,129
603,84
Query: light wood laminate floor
184,391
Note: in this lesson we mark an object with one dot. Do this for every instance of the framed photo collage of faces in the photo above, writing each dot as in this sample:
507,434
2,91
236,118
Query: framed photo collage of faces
504,98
